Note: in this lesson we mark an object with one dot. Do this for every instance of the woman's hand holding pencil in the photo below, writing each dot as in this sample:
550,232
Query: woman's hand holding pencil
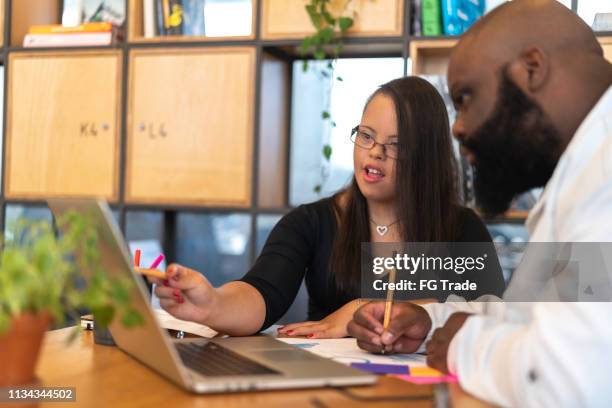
186,294
152,270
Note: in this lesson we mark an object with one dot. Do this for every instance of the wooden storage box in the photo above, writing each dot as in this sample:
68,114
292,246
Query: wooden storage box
190,126
63,124
289,19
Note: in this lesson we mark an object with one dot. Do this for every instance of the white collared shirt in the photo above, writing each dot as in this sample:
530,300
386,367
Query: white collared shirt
548,354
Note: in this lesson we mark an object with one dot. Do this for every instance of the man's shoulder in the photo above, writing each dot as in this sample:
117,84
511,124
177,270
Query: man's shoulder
580,196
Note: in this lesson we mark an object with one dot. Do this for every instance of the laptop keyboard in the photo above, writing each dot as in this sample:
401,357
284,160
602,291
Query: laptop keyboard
211,359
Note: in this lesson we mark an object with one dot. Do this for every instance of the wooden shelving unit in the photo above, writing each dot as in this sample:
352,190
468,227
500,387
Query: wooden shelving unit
20,15
430,55
171,124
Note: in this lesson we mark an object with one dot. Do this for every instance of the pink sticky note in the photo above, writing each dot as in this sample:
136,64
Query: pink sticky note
427,380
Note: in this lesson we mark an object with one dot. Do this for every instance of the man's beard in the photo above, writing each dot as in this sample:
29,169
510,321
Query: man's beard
517,148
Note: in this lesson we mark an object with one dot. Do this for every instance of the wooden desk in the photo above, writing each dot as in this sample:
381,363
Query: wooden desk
106,377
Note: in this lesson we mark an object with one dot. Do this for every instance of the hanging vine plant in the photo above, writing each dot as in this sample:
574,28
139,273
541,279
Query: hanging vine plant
326,43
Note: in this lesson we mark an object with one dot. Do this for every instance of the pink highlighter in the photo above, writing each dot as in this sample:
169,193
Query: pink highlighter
156,263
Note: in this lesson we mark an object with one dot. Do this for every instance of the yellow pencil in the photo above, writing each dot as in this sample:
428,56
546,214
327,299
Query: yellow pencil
155,273
389,303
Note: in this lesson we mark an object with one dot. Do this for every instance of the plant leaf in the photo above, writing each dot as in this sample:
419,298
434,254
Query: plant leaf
329,19
43,270
327,152
325,115
345,23
315,17
306,42
327,35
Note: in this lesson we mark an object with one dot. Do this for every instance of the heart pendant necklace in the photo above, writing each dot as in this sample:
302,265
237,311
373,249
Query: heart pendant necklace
382,229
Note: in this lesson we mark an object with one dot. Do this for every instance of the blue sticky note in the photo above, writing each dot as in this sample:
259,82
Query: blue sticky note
381,368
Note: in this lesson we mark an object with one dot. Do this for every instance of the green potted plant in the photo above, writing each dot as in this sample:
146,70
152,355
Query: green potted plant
42,282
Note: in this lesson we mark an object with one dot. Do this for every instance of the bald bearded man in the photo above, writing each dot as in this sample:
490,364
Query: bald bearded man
534,107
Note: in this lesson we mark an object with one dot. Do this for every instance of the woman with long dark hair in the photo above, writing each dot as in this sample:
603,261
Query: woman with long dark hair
403,190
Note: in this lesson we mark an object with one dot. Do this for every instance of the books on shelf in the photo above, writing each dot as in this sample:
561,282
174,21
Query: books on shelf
148,18
432,17
416,15
173,17
72,13
86,34
61,29
76,12
194,17
169,17
468,11
450,20
450,17
112,11
67,40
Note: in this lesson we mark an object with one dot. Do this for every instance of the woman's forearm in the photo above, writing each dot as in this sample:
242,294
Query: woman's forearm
238,310
346,312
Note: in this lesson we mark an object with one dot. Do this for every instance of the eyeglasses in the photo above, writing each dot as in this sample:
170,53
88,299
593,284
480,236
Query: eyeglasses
366,141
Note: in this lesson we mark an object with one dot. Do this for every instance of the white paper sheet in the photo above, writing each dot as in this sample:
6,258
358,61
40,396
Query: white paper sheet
167,321
346,351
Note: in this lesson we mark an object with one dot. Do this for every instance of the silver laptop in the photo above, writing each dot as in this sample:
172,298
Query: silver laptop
202,365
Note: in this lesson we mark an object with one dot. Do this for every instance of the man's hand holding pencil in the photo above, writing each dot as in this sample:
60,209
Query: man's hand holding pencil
385,327
408,326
